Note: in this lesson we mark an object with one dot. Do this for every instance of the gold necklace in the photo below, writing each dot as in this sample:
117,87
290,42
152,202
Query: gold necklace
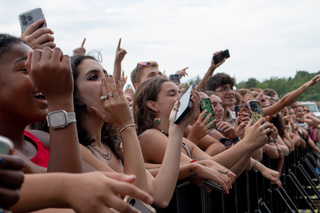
97,149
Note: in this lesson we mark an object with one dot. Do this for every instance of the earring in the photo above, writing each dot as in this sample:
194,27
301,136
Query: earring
157,121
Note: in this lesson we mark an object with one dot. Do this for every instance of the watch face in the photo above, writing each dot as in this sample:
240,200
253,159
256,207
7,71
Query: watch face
58,119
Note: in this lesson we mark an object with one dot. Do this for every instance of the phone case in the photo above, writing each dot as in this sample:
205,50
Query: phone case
240,109
205,104
6,145
185,105
143,207
218,58
214,185
255,110
30,17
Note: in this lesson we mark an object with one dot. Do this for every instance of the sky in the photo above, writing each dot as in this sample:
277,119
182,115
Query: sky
265,38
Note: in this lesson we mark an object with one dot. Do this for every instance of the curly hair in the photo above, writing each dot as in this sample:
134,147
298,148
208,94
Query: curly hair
218,80
147,90
110,133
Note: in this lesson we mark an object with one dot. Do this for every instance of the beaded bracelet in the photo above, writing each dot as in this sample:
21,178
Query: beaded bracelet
129,125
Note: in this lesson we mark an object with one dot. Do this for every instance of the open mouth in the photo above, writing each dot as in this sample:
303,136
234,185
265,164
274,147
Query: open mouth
39,95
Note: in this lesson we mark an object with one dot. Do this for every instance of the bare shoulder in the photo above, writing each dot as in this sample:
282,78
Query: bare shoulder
152,135
44,137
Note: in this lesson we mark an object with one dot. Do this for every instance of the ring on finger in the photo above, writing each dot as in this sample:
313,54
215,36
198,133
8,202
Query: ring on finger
104,97
265,125
110,94
226,171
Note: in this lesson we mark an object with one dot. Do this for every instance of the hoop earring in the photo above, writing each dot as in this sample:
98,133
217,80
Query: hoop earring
157,121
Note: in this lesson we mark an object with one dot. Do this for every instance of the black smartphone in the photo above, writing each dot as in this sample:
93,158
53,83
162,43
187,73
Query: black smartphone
205,104
29,17
6,145
214,185
175,78
219,57
184,106
143,207
255,110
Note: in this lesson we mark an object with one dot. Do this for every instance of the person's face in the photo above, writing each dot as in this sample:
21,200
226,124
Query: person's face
260,97
147,73
18,95
218,110
89,83
167,97
299,112
129,100
226,94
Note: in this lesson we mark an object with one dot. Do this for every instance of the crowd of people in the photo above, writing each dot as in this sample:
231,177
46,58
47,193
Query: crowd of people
82,141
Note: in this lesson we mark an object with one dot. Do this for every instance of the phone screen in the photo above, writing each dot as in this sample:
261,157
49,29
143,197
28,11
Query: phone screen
30,17
255,110
218,58
185,105
205,104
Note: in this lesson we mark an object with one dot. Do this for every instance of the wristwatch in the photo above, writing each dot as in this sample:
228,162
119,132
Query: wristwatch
60,119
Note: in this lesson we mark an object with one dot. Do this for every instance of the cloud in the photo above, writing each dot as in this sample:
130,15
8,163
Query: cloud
265,38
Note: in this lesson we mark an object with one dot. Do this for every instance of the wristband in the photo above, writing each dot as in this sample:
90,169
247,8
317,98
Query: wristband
254,166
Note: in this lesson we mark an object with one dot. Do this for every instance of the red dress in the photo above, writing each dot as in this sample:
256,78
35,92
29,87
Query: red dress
42,156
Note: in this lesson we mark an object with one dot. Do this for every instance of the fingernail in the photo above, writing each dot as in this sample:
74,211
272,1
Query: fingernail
150,200
110,76
102,80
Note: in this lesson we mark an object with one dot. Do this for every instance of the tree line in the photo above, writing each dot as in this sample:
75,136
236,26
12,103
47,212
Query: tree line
281,85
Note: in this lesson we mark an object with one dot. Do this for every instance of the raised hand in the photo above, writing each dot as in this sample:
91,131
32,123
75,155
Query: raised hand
50,72
38,38
116,106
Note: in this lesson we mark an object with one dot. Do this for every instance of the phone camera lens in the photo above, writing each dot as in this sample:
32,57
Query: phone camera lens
132,202
23,17
24,22
29,18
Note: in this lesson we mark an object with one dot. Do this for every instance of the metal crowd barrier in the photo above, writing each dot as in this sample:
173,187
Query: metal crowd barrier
253,193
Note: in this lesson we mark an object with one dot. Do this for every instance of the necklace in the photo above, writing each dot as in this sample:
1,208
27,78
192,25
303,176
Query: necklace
104,155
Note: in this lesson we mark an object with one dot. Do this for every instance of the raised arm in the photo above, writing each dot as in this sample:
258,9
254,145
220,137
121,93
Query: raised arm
120,53
212,68
50,72
290,97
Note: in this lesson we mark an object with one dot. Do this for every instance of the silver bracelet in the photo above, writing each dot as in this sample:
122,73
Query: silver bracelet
129,125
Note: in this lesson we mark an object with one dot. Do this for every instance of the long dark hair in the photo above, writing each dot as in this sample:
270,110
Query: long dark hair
143,115
109,133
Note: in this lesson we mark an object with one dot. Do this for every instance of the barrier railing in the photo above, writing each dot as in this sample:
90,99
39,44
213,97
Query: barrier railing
251,192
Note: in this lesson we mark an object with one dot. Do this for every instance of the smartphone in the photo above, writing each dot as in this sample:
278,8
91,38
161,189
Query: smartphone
29,17
143,207
184,106
214,185
255,110
6,145
240,109
218,58
205,104
175,78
